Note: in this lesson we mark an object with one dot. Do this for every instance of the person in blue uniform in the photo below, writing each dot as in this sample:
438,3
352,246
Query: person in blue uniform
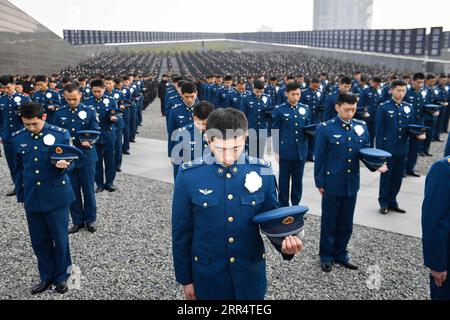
436,228
292,146
10,120
330,101
126,95
105,169
112,93
336,174
447,147
218,252
272,90
235,96
48,98
369,99
430,117
386,91
181,115
257,108
222,92
392,119
441,97
45,192
190,142
417,96
314,98
281,94
75,117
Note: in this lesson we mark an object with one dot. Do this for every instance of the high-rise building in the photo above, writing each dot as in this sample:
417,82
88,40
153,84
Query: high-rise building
342,14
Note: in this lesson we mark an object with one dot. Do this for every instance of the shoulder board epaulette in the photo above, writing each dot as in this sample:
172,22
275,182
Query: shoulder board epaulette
57,129
259,162
19,132
359,121
192,164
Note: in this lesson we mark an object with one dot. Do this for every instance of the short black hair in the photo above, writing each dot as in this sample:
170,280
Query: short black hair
7,79
31,110
418,76
40,78
109,78
348,98
66,80
273,79
203,109
228,78
117,80
315,80
97,83
258,85
292,87
431,76
376,79
290,77
223,121
71,88
398,83
345,80
175,79
188,87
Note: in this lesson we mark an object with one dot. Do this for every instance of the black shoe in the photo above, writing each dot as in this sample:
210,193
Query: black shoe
326,267
133,140
41,287
310,160
75,228
61,287
126,152
118,170
428,154
11,193
438,140
422,154
347,265
384,210
91,227
397,209
111,189
98,190
413,174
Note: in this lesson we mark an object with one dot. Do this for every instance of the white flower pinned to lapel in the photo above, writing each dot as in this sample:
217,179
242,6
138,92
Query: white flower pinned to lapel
48,95
82,114
302,111
264,99
407,110
49,140
253,182
359,130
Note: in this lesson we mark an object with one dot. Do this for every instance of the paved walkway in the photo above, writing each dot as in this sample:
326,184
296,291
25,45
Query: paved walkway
149,159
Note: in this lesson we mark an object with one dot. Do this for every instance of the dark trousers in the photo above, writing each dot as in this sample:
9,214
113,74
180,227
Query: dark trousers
118,146
415,147
256,145
336,227
391,182
290,170
311,145
371,127
438,128
50,242
105,169
84,208
163,112
446,118
9,155
432,125
126,131
133,121
437,293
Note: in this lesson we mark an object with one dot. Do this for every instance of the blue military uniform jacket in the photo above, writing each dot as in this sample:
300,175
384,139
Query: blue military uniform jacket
418,99
272,92
179,116
257,110
103,107
221,97
436,217
315,101
330,106
82,118
119,97
39,184
336,167
290,120
48,98
391,124
216,245
370,98
234,99
10,120
189,138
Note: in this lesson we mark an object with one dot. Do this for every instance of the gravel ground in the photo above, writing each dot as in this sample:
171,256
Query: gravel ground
129,257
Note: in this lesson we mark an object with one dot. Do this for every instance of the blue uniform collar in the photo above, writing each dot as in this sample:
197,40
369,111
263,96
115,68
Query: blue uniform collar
221,170
343,122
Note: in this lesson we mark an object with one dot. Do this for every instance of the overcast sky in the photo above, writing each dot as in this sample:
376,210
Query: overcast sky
218,16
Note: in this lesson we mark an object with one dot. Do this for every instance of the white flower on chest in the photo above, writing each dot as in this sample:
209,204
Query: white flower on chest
253,182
